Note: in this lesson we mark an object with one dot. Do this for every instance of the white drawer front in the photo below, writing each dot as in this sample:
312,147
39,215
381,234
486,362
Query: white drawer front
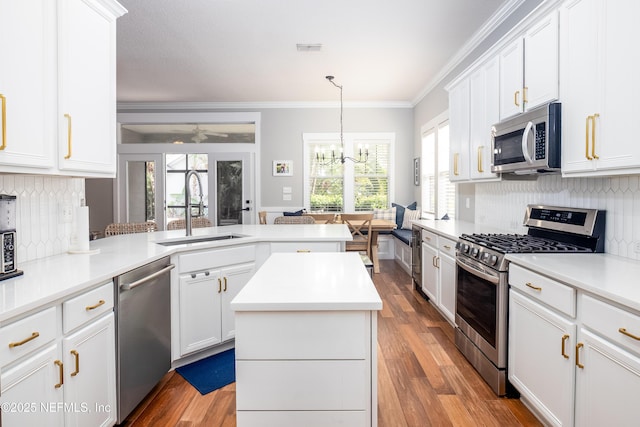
26,335
446,246
311,385
87,306
430,238
305,247
203,260
608,321
303,335
553,293
303,418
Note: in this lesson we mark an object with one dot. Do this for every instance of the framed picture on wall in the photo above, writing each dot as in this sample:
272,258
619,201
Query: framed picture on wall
416,171
282,168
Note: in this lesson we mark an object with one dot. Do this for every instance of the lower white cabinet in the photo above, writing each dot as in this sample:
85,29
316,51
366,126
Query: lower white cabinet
207,281
55,379
439,273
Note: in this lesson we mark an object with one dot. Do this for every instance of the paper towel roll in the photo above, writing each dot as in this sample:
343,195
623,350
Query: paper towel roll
80,234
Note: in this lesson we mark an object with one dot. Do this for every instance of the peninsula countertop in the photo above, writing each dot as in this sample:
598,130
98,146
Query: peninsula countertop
309,281
53,278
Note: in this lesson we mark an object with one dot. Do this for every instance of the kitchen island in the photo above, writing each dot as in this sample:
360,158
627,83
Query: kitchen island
306,342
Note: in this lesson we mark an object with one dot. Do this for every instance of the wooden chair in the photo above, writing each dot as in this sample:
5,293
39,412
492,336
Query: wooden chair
262,215
199,222
117,228
322,218
298,219
360,228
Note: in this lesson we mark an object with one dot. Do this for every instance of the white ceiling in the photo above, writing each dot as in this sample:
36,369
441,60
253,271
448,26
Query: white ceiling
245,50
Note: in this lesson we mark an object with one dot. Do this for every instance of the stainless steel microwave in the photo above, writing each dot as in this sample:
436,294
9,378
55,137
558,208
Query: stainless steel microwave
528,143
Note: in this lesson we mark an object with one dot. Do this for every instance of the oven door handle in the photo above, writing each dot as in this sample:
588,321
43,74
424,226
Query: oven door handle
488,277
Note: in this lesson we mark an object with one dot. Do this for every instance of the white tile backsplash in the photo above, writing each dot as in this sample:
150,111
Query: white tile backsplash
41,227
502,204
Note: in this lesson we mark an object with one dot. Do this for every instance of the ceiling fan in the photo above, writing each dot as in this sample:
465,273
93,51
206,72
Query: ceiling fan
200,135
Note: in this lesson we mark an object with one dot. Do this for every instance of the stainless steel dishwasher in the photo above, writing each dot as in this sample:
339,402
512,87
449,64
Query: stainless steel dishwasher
143,332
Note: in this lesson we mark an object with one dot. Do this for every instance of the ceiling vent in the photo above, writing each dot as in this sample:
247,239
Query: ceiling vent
309,47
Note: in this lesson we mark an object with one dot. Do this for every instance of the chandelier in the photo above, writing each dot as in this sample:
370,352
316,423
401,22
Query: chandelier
363,156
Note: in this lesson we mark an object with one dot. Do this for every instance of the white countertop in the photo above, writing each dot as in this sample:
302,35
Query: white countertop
608,276
309,281
53,278
453,228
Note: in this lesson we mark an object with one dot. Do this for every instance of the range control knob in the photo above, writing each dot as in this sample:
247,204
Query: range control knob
465,248
493,260
475,252
484,256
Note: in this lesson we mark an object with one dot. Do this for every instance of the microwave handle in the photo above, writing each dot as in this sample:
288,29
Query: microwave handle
525,148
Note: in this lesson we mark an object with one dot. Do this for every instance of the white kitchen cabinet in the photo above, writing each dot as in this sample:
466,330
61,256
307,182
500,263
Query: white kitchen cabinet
27,85
208,281
87,87
90,376
459,131
529,68
541,364
439,273
598,76
484,112
32,393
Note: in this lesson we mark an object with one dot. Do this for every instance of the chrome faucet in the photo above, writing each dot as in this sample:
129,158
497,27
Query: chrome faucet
187,196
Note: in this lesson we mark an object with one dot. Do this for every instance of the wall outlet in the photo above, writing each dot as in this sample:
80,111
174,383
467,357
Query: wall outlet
66,213
636,247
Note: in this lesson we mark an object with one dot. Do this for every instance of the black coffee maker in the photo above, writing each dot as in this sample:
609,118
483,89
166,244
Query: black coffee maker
8,244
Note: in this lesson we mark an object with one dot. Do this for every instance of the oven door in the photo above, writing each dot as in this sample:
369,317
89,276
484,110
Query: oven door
481,308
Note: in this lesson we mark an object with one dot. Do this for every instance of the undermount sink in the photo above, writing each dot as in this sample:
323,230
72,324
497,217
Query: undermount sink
200,239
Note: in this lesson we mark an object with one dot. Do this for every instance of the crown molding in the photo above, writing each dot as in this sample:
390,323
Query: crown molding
206,106
478,37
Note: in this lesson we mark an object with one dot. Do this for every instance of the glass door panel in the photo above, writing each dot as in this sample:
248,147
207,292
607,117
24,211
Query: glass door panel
232,186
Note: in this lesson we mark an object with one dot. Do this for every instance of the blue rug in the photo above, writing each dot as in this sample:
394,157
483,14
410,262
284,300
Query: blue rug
210,374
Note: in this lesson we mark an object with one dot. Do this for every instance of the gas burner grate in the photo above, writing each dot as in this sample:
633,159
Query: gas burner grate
521,243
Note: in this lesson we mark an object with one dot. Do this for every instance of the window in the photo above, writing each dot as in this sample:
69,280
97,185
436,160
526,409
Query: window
438,193
178,165
331,186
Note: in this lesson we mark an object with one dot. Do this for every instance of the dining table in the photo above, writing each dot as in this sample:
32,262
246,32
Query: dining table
377,226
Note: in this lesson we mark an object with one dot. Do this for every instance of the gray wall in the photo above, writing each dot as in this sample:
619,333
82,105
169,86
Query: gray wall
99,198
437,100
282,131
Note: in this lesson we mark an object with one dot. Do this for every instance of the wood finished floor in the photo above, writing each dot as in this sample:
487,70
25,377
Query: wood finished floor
422,378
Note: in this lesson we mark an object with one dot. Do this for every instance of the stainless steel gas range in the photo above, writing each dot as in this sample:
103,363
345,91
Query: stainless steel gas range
482,289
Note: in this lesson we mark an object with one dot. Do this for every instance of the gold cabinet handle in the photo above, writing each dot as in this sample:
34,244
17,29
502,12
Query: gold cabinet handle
61,370
77,356
33,336
623,331
516,94
578,347
68,116
93,307
225,284
219,285
525,91
447,247
593,136
480,148
303,251
3,100
564,340
433,261
456,156
535,288
586,139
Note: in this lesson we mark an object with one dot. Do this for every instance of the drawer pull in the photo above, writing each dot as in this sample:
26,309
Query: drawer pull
447,247
219,285
623,331
564,340
535,288
60,366
77,356
93,307
304,251
33,336
578,347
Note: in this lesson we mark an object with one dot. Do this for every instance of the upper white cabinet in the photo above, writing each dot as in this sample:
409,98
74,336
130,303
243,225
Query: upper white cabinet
459,131
529,68
57,86
598,87
87,82
27,84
